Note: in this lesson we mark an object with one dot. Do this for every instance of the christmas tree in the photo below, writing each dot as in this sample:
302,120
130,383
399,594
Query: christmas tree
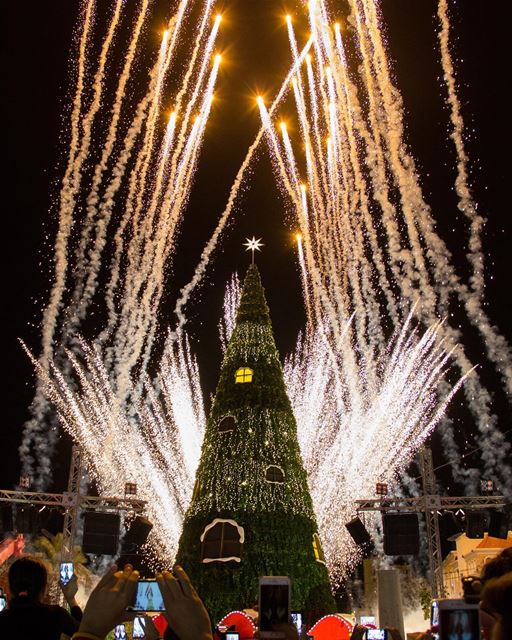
251,513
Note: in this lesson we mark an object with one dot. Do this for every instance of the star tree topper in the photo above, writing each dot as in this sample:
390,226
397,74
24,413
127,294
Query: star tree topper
253,245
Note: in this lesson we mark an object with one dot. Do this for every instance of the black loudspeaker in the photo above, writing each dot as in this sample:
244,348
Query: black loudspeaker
101,533
498,524
134,538
401,534
359,534
26,519
137,534
475,524
6,521
451,526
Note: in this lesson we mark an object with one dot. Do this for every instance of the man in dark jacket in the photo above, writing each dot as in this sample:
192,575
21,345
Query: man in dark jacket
27,617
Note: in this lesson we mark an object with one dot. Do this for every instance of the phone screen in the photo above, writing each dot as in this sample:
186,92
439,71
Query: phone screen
120,632
232,635
139,627
66,572
297,620
434,620
367,620
274,604
148,597
459,623
376,634
3,602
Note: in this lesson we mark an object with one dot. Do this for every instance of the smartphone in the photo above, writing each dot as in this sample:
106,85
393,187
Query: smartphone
274,605
120,632
148,597
434,619
66,572
458,619
3,602
297,620
376,634
232,635
139,627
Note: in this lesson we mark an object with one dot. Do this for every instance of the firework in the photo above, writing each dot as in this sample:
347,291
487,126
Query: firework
364,253
151,170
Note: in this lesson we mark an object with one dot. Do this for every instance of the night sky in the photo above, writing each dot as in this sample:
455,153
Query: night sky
37,42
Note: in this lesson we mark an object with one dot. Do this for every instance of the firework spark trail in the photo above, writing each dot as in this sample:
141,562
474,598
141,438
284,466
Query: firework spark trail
233,193
93,198
366,155
94,227
151,270
360,184
232,296
466,202
49,323
172,199
90,115
185,125
142,237
141,329
372,443
168,434
344,153
33,429
310,306
498,350
191,103
84,292
348,362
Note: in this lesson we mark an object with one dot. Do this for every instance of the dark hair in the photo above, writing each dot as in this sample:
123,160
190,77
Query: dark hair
497,598
28,576
498,566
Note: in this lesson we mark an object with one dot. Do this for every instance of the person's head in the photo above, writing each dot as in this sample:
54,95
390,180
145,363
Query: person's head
28,577
498,566
497,600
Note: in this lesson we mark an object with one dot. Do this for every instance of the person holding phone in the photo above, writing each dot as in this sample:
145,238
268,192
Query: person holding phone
184,611
26,616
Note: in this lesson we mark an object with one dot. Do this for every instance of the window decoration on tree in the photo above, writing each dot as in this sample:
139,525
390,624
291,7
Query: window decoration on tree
317,549
274,474
222,541
226,424
243,375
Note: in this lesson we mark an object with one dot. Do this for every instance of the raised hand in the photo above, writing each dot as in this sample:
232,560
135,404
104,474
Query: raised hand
184,609
107,603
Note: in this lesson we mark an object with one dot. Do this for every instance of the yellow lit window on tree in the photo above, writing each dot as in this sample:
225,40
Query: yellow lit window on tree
317,549
243,375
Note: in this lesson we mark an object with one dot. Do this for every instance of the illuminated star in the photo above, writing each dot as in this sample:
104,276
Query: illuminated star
253,245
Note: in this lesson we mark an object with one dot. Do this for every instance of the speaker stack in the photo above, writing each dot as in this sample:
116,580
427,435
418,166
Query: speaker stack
401,534
499,524
475,524
101,533
134,538
360,535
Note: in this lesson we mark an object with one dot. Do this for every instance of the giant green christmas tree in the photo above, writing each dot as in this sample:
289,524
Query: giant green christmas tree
251,513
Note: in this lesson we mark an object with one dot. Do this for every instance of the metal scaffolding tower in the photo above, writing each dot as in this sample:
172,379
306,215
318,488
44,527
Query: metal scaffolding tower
431,504
71,502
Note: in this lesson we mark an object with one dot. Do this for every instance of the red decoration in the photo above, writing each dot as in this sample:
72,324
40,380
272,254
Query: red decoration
331,628
242,623
160,623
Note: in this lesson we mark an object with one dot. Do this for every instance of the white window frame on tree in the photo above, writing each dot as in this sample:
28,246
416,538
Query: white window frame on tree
275,466
241,538
219,423
244,375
